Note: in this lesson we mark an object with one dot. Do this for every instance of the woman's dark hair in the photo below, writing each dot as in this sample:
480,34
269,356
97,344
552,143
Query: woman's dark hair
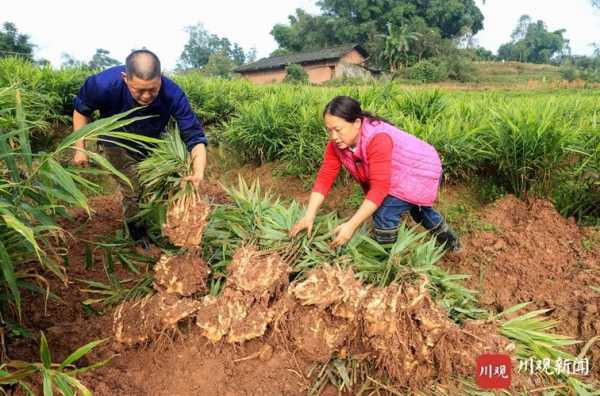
349,109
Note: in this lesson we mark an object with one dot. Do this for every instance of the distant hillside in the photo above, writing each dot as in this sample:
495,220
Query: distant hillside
511,72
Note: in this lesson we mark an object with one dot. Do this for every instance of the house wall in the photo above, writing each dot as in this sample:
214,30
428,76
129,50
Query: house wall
317,72
349,65
352,71
353,57
265,76
320,72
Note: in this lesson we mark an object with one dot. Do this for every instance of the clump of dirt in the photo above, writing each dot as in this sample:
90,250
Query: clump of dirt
540,257
261,274
183,275
245,308
139,321
331,287
186,219
413,340
218,313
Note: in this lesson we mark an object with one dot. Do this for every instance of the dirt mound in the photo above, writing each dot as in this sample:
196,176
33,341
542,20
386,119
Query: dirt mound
184,275
532,254
186,219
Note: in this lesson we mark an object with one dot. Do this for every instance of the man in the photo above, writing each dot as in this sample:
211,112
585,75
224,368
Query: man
120,88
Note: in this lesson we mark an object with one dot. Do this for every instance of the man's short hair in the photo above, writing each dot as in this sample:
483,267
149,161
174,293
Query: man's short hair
142,64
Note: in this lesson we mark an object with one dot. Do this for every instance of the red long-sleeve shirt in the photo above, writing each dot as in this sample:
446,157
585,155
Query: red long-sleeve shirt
377,185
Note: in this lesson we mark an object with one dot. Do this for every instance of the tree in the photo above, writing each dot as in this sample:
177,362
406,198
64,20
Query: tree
521,29
13,43
219,65
69,61
396,47
280,52
251,55
362,21
533,43
101,60
43,62
307,31
202,44
483,54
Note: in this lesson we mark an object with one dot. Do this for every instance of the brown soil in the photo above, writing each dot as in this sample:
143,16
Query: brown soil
269,333
535,255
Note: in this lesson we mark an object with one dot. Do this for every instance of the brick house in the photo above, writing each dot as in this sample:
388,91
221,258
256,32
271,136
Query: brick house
320,65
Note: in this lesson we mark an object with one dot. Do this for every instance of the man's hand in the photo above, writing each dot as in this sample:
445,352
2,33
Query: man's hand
194,179
81,159
198,165
342,234
305,223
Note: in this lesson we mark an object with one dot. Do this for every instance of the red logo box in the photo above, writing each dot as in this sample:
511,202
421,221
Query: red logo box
494,371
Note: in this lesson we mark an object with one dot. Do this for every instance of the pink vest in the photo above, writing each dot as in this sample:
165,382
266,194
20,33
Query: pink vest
416,165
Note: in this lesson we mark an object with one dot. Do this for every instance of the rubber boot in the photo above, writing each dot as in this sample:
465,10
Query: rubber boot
383,237
138,233
445,236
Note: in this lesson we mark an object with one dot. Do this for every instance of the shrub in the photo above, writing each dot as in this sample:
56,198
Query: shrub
296,74
427,71
568,73
459,68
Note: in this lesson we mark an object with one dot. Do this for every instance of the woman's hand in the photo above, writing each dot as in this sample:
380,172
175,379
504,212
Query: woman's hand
343,233
305,223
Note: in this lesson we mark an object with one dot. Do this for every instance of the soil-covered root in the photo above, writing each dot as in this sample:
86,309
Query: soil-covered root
262,274
253,326
244,309
332,287
232,316
142,320
186,219
217,314
409,336
414,341
320,313
183,275
317,334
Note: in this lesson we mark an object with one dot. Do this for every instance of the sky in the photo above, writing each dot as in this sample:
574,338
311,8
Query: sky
79,27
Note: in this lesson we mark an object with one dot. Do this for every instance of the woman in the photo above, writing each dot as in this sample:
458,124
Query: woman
398,172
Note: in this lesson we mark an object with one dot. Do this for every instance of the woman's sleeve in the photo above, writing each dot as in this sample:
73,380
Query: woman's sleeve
328,172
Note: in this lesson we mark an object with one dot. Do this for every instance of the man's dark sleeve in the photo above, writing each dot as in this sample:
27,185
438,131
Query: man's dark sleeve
89,97
190,127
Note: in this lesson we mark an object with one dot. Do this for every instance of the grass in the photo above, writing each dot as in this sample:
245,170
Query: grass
515,72
59,377
524,142
35,190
